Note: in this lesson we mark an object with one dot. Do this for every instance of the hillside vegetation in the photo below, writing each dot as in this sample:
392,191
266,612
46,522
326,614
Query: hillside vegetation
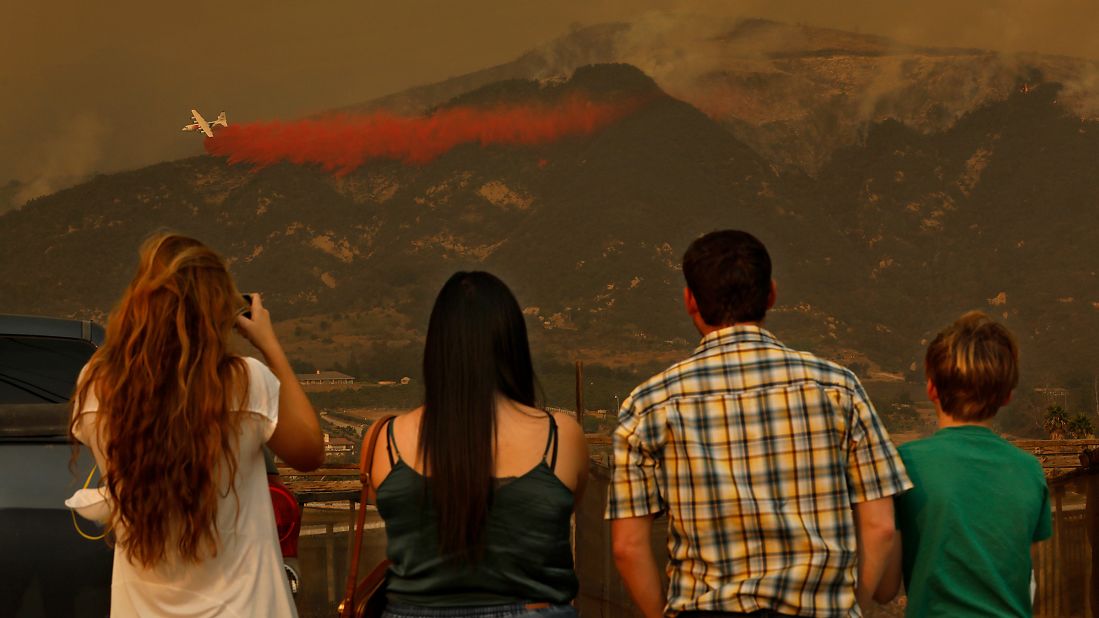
890,237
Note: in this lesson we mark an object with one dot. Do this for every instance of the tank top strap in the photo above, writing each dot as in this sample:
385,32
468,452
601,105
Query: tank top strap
550,455
391,444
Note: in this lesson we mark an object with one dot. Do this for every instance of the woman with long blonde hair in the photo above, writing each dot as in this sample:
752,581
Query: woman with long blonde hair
177,424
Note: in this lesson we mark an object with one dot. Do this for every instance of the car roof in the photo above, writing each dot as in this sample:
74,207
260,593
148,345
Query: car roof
41,326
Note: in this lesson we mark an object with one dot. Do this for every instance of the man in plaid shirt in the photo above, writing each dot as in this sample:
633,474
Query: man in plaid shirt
774,469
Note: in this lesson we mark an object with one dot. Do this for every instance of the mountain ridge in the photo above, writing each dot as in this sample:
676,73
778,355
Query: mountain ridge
872,255
794,93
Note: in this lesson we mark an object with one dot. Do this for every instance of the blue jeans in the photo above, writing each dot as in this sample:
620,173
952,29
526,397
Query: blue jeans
514,610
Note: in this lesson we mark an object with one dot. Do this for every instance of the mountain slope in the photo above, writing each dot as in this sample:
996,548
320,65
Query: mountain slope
997,213
794,93
894,237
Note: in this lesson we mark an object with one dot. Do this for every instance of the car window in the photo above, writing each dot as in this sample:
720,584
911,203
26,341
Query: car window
37,377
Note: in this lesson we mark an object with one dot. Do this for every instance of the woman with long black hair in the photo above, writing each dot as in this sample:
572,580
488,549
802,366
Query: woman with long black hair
477,486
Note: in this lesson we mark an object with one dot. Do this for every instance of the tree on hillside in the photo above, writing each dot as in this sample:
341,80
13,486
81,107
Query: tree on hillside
1056,422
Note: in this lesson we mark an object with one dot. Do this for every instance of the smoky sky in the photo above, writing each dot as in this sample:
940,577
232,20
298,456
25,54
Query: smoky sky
103,86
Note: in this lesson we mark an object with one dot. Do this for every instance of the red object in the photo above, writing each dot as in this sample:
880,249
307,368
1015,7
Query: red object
287,516
342,143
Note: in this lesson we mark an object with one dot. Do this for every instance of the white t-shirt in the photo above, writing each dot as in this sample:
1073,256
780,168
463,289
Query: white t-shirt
246,578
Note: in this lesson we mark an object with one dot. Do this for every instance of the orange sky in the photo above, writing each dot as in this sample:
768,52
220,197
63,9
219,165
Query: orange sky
105,86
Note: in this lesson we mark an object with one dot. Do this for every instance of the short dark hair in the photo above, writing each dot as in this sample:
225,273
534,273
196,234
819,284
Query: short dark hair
974,365
729,274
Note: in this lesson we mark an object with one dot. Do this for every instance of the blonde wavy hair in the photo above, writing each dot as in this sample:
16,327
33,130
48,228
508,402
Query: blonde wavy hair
168,389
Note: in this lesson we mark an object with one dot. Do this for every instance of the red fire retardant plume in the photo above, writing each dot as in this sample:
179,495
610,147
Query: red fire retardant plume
340,144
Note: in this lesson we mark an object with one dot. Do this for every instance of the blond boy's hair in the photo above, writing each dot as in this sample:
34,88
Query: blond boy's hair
974,365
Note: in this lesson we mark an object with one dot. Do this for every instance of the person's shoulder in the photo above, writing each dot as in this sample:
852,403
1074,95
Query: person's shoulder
86,390
262,394
822,370
914,449
408,420
403,419
1003,448
260,373
256,366
567,425
1024,458
1021,466
664,385
570,435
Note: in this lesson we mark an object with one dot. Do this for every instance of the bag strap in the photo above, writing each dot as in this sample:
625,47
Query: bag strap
366,463
72,512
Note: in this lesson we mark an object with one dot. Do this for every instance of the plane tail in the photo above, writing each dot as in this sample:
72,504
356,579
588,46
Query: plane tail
221,120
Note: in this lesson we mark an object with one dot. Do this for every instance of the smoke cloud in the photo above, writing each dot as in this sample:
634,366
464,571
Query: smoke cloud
340,144
68,156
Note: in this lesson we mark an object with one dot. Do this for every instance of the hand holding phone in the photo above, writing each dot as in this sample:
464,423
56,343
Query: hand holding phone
255,324
247,313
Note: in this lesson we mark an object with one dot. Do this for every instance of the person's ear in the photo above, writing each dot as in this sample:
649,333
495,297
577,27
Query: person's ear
689,302
772,295
932,392
1007,399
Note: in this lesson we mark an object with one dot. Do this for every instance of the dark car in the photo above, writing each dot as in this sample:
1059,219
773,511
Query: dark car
47,568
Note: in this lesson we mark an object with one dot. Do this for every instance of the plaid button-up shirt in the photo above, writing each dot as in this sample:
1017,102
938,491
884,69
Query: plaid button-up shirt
758,453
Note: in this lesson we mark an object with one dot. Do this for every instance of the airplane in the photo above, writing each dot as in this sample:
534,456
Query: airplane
200,123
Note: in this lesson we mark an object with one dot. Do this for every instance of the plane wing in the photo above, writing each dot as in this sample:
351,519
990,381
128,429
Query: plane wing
201,122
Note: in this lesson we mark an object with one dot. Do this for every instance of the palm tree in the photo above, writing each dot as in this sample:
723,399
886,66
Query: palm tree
1056,422
1080,427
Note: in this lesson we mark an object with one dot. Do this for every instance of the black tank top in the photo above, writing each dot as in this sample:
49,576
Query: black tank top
527,555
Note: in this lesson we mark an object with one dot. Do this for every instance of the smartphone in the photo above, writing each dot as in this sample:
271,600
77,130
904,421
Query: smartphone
248,306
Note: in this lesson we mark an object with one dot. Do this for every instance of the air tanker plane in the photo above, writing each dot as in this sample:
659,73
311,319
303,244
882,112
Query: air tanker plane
200,123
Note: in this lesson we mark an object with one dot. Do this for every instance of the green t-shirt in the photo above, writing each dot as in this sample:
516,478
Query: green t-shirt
977,505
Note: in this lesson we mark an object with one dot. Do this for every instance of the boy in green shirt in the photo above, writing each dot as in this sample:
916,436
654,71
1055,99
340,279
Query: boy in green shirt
979,504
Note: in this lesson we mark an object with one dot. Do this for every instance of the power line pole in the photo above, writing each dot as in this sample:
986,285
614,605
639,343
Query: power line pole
580,392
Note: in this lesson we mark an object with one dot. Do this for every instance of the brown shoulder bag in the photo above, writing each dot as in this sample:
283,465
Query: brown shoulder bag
365,598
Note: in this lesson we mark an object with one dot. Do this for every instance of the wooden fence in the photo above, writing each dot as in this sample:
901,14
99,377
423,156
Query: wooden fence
1057,456
1067,567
